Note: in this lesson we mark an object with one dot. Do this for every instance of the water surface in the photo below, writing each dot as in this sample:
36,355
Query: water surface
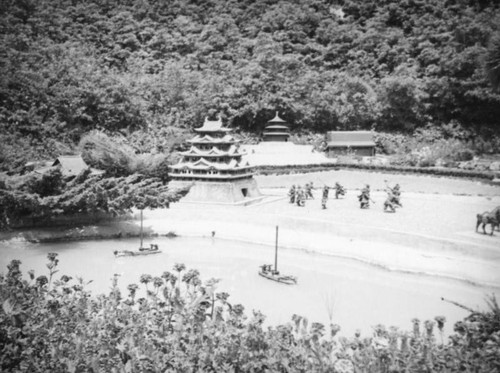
352,294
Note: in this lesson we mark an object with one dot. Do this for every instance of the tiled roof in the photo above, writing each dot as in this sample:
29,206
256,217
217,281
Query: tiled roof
350,138
214,152
339,144
216,140
203,164
277,126
212,126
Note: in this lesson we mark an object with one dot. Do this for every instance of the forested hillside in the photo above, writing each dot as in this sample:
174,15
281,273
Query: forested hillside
151,69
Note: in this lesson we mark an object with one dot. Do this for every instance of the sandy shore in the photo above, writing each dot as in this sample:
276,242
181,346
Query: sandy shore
433,233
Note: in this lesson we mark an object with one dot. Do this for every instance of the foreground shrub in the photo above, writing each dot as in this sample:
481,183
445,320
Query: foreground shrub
178,323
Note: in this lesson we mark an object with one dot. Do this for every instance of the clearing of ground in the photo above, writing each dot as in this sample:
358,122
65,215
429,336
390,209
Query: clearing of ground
434,232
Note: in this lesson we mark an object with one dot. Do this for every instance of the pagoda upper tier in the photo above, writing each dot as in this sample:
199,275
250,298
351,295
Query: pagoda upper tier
214,155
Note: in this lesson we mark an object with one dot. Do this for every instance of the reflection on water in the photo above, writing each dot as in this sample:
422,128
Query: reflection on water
355,295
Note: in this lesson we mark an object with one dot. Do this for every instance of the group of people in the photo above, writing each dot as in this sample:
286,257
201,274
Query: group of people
392,201
299,195
339,191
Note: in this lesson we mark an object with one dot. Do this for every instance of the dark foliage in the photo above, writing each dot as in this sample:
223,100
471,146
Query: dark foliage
151,68
86,194
178,323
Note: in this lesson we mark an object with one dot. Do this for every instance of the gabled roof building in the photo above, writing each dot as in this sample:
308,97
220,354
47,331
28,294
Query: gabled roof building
70,165
350,143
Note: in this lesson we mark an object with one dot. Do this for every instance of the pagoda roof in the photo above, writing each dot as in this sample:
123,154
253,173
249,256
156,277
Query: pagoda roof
276,119
203,164
275,134
200,177
277,126
214,152
212,126
207,139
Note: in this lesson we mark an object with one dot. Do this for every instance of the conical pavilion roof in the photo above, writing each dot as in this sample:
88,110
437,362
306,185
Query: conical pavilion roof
276,119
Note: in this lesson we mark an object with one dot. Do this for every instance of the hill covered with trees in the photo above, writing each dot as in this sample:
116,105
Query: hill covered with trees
150,70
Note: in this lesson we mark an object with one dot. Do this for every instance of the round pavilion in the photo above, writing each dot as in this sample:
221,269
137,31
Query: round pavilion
276,130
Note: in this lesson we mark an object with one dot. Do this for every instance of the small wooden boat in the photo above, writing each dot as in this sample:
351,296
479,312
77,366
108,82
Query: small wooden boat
268,272
152,249
142,251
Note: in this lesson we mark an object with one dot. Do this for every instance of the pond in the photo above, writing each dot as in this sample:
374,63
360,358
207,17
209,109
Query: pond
350,293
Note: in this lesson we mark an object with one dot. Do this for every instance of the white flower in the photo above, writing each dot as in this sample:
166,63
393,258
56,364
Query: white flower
343,366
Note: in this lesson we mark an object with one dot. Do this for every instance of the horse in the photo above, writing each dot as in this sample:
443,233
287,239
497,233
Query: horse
489,217
496,213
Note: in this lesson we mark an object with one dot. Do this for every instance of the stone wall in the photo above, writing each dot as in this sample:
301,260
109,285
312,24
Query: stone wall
223,192
366,151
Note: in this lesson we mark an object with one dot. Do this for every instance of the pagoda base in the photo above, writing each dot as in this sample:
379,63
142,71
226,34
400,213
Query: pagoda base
243,191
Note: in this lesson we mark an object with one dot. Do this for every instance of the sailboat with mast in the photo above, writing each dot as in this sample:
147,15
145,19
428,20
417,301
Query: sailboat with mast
152,249
267,271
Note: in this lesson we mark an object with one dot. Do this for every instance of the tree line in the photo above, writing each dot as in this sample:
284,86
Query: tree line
152,70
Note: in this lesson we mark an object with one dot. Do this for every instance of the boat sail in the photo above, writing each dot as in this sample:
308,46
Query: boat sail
268,272
153,249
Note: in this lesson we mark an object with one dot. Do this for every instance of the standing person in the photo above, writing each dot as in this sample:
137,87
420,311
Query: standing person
324,199
364,197
397,194
339,190
291,193
394,194
301,197
389,202
309,188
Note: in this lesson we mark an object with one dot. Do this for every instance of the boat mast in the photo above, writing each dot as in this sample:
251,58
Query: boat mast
276,251
140,247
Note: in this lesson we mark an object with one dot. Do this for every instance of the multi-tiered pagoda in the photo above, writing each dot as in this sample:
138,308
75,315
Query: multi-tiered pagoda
214,162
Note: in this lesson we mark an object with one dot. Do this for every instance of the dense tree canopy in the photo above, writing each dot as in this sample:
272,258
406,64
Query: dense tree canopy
149,67
50,196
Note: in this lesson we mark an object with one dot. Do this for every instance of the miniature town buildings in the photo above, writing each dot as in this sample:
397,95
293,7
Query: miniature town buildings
350,143
276,130
214,163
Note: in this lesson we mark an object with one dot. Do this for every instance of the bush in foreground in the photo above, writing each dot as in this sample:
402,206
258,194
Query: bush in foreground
178,323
